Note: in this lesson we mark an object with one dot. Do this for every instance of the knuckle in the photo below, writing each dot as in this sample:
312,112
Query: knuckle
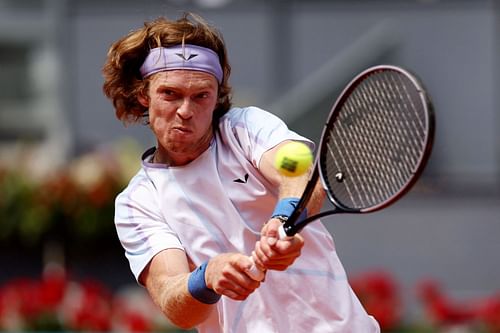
266,260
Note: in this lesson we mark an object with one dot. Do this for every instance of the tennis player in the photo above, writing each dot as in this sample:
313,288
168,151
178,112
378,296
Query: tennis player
207,196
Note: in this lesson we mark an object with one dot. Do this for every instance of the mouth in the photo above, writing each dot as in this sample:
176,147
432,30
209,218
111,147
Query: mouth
181,129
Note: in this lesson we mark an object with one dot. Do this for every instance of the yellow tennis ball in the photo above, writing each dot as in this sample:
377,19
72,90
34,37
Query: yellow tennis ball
293,159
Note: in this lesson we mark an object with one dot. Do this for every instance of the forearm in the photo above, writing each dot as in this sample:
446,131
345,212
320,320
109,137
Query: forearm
294,188
172,296
187,298
317,199
271,252
166,279
291,187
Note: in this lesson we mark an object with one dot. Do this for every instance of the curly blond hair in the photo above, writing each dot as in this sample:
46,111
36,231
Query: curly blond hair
122,80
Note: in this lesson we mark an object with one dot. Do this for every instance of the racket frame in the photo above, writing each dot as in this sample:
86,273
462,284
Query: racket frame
293,225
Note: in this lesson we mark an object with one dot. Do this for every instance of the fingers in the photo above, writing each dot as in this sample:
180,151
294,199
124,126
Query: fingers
271,253
226,275
270,229
275,257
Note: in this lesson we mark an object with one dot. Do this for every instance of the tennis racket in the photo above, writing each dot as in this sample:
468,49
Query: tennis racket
374,146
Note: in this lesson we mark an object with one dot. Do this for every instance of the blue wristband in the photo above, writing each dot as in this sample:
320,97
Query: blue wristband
198,288
285,208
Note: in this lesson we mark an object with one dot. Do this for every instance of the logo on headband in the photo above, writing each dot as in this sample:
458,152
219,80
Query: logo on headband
183,55
192,57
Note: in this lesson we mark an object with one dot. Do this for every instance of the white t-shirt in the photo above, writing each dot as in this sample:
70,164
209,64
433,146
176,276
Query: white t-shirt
218,203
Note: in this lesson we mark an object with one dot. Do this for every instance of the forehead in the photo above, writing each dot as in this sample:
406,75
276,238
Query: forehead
181,78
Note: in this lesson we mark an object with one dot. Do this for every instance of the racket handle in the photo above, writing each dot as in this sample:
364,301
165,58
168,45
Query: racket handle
254,272
282,234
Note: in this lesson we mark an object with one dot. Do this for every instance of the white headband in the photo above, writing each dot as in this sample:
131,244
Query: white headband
187,56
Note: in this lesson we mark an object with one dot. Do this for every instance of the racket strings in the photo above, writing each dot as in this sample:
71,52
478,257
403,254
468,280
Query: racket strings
376,142
392,150
366,173
369,136
415,127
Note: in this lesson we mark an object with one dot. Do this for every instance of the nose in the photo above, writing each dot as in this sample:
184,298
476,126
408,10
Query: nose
185,109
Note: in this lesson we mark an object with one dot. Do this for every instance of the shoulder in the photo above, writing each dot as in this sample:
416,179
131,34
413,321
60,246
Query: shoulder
250,117
138,189
248,112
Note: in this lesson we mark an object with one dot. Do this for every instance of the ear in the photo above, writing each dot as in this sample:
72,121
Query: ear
144,100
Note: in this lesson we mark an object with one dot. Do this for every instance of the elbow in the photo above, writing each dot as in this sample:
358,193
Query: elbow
186,322
183,325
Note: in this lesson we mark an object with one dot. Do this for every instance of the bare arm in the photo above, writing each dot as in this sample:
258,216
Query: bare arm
166,279
291,186
270,252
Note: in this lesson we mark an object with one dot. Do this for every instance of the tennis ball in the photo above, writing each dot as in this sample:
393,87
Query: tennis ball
293,159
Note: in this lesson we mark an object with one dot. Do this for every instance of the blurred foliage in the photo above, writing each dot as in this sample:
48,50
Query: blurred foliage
73,203
60,210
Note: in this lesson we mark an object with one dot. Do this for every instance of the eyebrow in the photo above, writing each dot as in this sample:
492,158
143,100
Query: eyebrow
201,84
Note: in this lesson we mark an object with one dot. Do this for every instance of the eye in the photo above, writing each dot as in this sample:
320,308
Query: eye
203,95
169,94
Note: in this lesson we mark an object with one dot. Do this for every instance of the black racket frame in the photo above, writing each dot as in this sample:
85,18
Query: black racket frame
293,225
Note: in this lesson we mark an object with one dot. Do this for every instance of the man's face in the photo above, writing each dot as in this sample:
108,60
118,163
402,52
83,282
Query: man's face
181,105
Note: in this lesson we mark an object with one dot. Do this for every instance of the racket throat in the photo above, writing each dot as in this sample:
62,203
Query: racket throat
290,228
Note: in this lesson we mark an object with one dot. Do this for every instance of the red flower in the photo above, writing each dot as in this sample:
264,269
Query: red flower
92,312
135,322
53,287
23,295
379,295
442,310
489,314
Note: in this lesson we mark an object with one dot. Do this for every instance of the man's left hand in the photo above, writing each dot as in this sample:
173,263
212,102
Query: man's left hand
274,253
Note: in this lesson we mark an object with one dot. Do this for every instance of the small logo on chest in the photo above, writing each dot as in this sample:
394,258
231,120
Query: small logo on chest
243,181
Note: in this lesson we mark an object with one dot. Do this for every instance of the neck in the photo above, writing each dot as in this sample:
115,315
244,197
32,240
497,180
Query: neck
173,157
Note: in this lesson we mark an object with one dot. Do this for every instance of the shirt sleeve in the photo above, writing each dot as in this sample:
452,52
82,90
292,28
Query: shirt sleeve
141,227
258,131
